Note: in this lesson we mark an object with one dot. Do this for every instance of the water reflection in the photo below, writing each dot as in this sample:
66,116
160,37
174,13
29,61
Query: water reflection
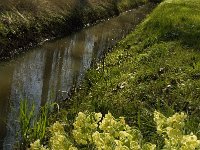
48,73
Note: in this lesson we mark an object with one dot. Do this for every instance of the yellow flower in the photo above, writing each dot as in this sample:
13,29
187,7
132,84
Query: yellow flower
58,142
177,120
84,126
149,146
57,128
125,137
72,148
160,120
37,146
98,116
190,142
134,146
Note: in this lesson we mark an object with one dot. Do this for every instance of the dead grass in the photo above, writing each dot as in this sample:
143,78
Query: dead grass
30,21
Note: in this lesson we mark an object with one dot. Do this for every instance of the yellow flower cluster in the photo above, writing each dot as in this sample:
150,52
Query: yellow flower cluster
59,141
172,130
57,128
103,141
37,146
117,135
111,125
108,133
84,126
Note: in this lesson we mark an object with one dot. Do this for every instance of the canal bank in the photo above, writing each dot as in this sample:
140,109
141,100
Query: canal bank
156,67
49,72
27,23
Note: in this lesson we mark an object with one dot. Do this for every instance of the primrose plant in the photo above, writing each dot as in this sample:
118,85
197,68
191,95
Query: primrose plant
107,133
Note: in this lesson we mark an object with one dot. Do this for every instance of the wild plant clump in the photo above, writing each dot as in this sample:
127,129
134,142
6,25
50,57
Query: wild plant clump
107,133
172,130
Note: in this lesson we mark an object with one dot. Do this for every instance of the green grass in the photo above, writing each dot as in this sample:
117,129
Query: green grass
155,67
33,123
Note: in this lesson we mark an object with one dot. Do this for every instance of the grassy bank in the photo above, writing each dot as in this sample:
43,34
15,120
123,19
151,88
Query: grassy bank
27,22
155,67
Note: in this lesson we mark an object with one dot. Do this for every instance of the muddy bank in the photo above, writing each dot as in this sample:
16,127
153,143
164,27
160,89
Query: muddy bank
21,28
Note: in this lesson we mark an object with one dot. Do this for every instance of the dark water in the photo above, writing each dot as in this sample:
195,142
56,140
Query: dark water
48,72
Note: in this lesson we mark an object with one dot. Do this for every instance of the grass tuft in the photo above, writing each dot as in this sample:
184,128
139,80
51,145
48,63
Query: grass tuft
33,124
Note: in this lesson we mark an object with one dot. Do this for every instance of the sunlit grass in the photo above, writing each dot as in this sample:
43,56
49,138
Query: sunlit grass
155,67
33,123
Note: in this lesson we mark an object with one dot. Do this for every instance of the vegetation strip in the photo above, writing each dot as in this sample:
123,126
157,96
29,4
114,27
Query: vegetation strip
25,22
